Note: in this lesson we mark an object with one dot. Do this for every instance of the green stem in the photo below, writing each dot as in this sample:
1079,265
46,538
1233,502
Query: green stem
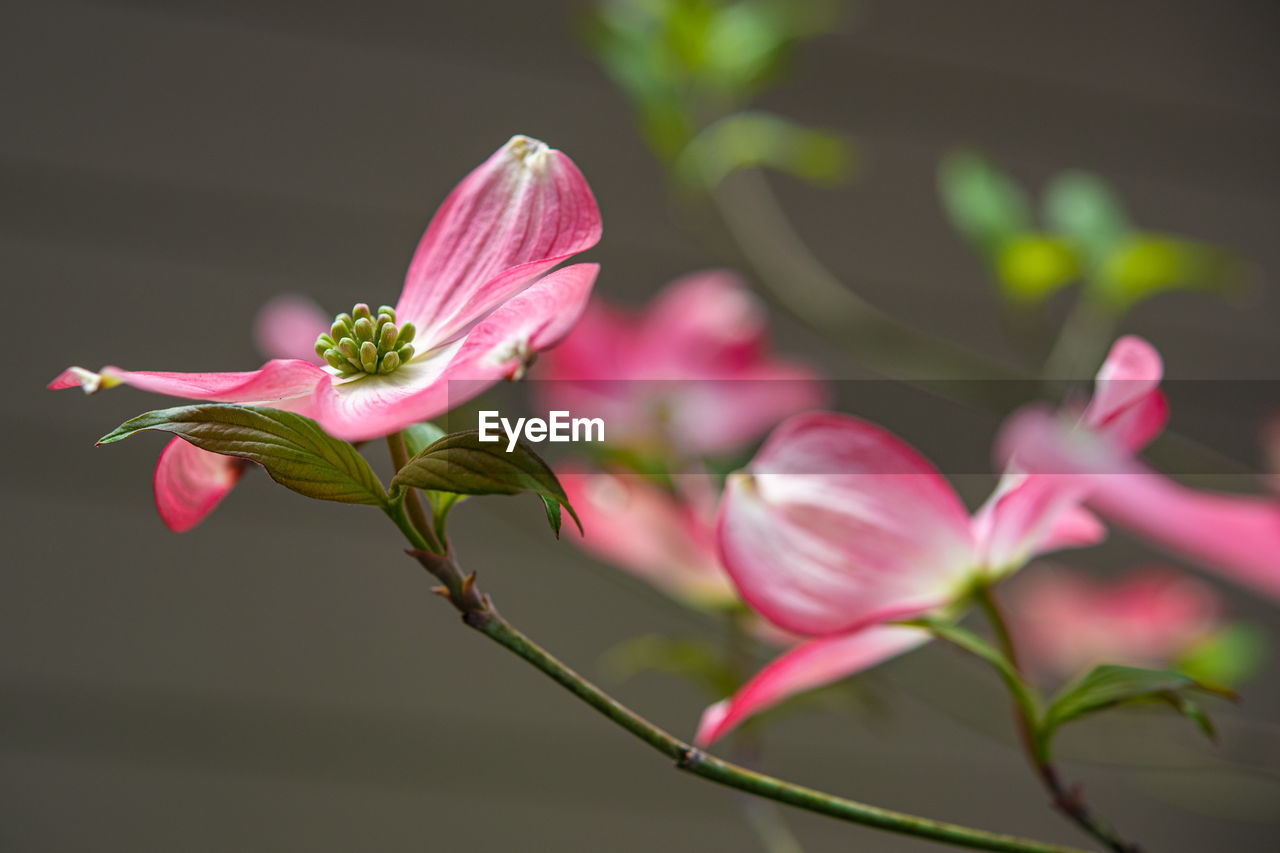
410,503
692,760
1082,341
395,510
1069,801
478,613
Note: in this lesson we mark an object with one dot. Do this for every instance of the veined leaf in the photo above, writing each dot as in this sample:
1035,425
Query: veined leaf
463,464
1109,685
418,436
296,452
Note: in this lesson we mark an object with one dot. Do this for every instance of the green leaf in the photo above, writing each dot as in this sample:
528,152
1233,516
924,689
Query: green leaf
462,464
752,139
418,436
1083,208
1031,267
442,503
1149,264
1231,656
984,203
296,452
1109,685
744,43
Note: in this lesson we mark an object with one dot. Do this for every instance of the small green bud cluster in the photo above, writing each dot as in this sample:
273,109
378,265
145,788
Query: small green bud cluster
361,342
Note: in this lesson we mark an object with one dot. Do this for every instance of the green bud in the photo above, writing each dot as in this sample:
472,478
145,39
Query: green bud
368,356
387,337
335,360
388,310
349,348
405,352
361,312
338,330
390,362
407,331
344,320
363,329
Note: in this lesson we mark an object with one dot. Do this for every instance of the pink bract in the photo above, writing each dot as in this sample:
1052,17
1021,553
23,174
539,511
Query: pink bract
479,291
636,525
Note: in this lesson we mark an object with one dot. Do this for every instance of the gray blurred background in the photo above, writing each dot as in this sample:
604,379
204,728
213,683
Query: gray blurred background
276,679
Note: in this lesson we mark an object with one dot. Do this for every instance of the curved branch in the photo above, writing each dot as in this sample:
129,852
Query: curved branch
1069,802
478,613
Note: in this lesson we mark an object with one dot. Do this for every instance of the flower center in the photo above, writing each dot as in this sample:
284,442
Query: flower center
361,342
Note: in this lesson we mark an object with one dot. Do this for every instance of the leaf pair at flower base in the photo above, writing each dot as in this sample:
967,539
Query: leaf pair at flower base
1108,686
300,456
1102,688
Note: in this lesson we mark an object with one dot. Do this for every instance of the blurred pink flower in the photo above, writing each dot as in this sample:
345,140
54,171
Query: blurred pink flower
1235,535
665,539
692,374
287,327
1067,622
478,303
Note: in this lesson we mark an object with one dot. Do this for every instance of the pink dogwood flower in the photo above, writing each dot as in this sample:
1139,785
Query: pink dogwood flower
1067,622
692,374
1237,536
837,527
479,300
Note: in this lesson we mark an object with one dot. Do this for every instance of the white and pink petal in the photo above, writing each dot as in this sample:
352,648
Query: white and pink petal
280,383
517,215
838,524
